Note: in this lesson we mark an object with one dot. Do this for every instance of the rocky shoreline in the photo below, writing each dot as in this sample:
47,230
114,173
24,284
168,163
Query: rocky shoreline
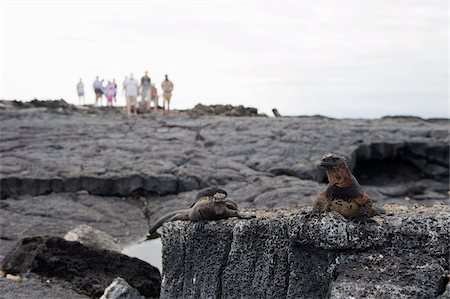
62,166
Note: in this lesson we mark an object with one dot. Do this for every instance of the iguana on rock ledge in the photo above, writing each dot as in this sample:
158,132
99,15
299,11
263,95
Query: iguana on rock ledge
343,194
210,204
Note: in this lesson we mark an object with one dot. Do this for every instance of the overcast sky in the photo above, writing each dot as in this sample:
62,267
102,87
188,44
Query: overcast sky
343,58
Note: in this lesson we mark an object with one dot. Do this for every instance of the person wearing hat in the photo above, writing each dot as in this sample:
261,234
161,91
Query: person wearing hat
145,93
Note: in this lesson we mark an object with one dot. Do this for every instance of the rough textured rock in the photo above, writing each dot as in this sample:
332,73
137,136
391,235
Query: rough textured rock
33,286
63,165
87,269
55,214
112,155
120,289
56,107
225,110
87,235
446,294
287,254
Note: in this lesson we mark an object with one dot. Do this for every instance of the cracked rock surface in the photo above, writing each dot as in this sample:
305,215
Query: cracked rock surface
61,165
285,254
113,155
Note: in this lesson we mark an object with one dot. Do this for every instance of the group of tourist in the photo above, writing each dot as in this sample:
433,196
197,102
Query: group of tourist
131,89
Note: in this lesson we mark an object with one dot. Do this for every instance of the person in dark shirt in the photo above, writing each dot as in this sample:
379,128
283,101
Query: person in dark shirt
146,93
115,88
98,90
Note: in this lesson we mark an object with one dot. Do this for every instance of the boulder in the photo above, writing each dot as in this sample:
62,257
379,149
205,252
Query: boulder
87,269
120,289
90,236
227,110
289,254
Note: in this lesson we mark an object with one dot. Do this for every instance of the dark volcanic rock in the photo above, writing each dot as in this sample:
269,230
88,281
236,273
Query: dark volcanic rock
32,287
55,214
108,154
54,106
226,110
286,254
46,156
88,269
64,165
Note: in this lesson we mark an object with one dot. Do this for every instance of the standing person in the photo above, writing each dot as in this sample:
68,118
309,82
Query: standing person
124,84
80,90
98,89
110,92
115,89
145,85
131,92
124,87
167,87
154,97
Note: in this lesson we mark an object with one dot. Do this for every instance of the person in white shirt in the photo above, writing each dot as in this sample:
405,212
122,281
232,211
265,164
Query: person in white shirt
80,91
131,86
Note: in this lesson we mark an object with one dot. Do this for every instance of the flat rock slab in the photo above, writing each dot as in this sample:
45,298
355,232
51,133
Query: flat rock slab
33,287
89,236
63,165
288,254
113,155
87,269
55,214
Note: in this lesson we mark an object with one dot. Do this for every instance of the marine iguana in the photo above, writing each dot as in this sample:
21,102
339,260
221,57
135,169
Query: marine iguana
210,204
343,193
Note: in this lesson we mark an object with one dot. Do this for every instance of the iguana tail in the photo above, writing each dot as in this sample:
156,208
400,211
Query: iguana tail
169,216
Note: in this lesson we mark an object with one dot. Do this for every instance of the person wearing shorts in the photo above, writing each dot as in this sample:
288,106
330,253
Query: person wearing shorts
167,87
154,97
98,90
115,90
131,91
110,92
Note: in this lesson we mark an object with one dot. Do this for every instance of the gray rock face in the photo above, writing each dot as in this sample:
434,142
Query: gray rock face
55,214
113,155
87,269
62,165
33,287
87,235
286,254
120,289
226,110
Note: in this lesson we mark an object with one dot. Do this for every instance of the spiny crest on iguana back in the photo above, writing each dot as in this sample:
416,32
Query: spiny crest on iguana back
213,192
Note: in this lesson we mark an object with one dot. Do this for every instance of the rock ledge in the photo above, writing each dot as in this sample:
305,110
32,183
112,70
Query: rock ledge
286,254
